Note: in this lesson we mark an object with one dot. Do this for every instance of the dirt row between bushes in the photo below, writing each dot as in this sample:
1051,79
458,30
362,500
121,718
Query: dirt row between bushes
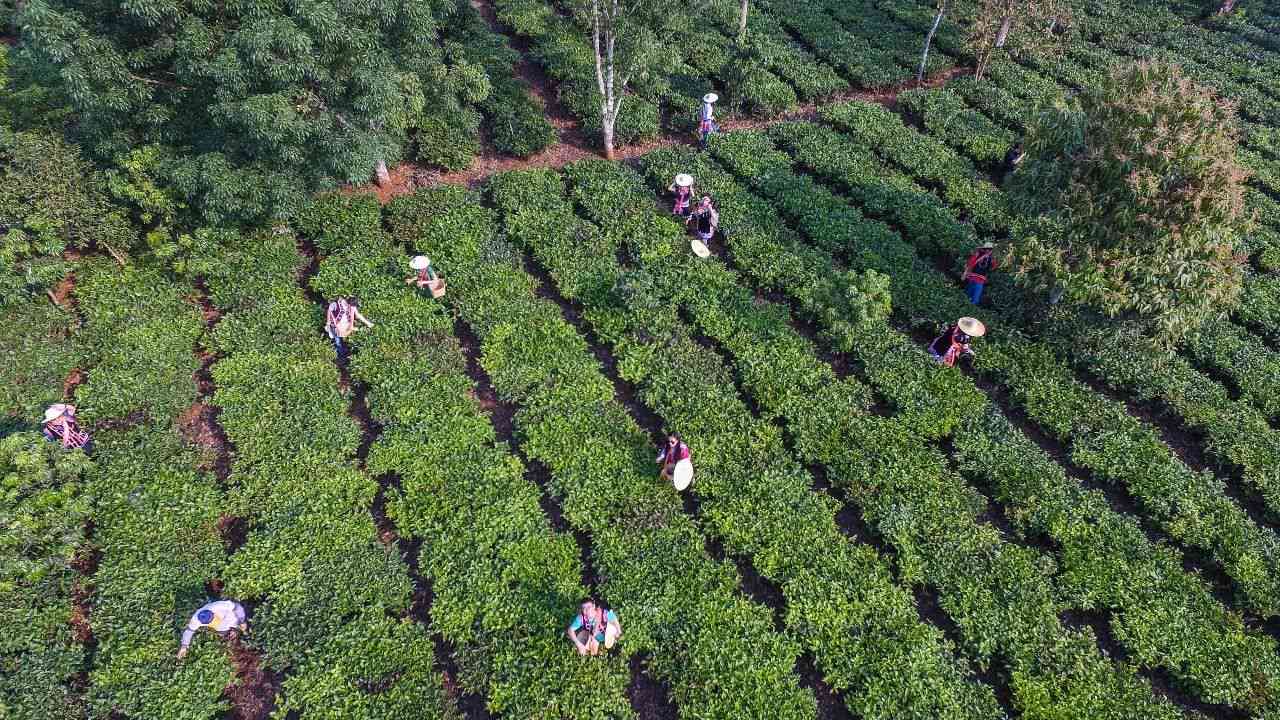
574,144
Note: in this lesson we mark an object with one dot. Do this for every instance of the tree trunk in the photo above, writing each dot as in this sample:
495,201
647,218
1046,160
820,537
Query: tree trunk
1227,6
606,130
928,40
742,24
1004,31
380,172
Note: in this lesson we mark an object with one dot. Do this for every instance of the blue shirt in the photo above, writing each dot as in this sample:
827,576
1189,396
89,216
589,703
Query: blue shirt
609,617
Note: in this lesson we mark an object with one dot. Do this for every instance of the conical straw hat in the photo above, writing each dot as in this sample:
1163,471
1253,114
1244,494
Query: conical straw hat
419,262
700,249
684,180
972,327
710,98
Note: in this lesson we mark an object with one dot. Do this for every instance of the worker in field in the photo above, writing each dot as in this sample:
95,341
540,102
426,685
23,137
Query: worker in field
340,321
706,121
676,462
221,616
704,219
60,426
682,188
981,262
425,276
595,627
954,341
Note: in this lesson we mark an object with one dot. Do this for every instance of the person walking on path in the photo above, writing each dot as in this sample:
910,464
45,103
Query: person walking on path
222,616
595,626
954,341
981,261
425,276
706,121
60,426
682,187
670,457
340,321
704,219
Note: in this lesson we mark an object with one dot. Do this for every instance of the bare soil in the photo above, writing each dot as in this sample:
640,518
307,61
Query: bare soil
253,692
650,698
831,704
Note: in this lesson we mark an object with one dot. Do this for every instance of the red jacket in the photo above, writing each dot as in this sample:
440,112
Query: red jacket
981,256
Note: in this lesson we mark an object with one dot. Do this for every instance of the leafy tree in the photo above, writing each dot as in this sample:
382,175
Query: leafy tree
1134,202
50,201
1034,26
627,38
252,105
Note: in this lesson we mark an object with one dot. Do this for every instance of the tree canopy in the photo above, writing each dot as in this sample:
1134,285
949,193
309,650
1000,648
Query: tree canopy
1134,202
251,105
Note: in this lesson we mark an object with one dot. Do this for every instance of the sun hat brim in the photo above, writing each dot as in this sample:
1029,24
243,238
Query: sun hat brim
683,475
710,97
54,412
700,249
684,180
420,262
972,327
988,245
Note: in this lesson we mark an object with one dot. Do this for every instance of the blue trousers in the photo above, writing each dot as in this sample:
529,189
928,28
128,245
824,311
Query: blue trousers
974,291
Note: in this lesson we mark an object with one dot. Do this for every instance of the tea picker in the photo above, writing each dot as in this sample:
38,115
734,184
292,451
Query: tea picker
682,187
981,261
706,123
425,276
340,321
222,616
594,626
676,462
704,220
954,341
60,426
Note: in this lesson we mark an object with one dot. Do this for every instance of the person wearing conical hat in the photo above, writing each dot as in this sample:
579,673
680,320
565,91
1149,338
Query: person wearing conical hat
954,341
706,122
682,188
60,426
221,616
981,261
424,274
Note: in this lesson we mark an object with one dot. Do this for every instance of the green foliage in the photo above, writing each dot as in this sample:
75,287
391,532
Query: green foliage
37,352
255,106
1136,202
44,505
50,201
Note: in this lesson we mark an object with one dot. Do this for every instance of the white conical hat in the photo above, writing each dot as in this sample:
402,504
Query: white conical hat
700,249
683,474
419,262
710,98
54,412
972,327
684,180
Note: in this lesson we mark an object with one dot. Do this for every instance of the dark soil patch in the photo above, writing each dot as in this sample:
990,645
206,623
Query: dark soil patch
81,609
253,692
471,705
831,706
761,590
75,379
199,425
650,698
234,531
